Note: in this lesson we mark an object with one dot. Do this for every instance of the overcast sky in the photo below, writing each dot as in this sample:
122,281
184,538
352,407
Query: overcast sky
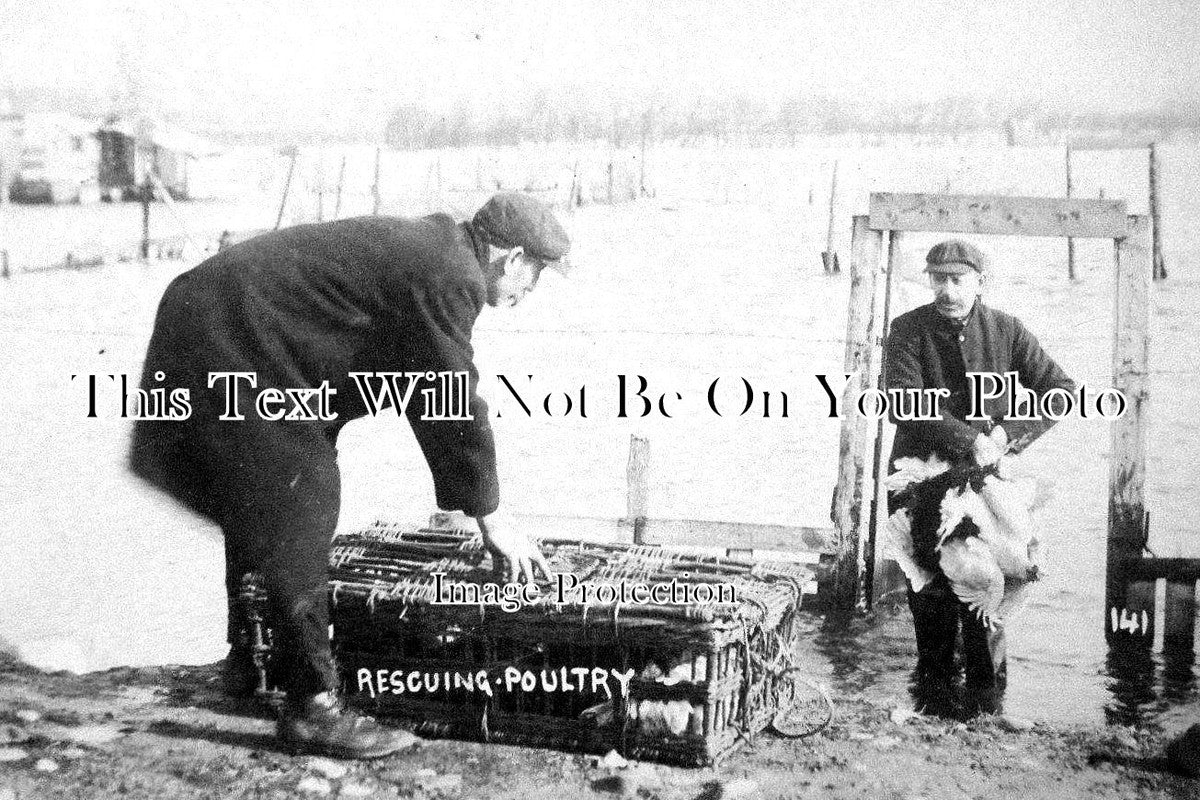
350,62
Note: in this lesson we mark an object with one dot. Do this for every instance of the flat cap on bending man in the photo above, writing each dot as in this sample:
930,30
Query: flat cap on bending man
934,346
298,307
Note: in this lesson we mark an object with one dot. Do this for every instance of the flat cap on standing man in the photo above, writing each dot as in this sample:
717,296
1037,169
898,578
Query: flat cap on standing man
934,346
298,307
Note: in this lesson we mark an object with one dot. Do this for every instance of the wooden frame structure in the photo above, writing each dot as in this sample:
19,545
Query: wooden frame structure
1129,596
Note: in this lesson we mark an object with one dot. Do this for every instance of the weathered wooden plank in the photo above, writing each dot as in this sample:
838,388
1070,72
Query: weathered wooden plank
738,535
848,500
877,574
1127,465
683,533
1160,267
1105,143
1024,216
1172,569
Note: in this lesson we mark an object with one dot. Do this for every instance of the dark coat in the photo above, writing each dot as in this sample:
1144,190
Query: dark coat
927,350
312,303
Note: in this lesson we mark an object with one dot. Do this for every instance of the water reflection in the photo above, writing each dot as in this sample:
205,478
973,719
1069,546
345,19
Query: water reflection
875,657
1145,686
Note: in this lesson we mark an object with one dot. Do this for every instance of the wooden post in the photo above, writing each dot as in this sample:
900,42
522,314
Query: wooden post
1179,624
146,194
1129,604
4,273
642,161
441,201
337,201
375,185
287,185
829,258
610,182
576,198
320,186
1070,240
872,556
637,475
1160,267
865,248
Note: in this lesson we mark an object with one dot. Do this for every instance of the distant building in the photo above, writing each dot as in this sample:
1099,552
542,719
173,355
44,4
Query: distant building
49,158
132,146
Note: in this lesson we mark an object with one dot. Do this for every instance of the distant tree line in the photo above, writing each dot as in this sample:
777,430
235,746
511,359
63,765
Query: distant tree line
737,119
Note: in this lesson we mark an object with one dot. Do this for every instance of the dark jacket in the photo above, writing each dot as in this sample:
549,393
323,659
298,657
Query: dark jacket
314,303
928,350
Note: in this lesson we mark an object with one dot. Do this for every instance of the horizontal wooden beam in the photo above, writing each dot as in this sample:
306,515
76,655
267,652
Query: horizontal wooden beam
683,533
738,535
1104,144
994,214
1173,569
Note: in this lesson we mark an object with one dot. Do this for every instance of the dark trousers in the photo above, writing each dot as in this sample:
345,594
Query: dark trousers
275,490
278,511
939,618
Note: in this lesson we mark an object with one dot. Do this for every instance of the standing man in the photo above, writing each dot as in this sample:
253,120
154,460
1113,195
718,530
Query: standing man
297,308
935,346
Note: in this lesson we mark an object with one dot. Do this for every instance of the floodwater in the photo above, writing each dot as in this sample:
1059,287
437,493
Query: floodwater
716,277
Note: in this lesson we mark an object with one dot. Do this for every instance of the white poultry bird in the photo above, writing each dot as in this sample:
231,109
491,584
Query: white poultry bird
898,546
974,575
990,571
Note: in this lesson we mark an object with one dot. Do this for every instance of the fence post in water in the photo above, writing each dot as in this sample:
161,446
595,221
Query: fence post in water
829,258
1070,240
847,512
575,197
337,201
375,185
4,264
287,185
610,182
1129,599
320,182
1179,623
146,194
1159,265
637,475
642,162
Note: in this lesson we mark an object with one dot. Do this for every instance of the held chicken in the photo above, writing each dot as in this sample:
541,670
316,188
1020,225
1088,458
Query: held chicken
987,541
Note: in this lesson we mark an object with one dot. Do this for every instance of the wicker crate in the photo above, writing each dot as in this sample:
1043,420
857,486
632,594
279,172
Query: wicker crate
683,683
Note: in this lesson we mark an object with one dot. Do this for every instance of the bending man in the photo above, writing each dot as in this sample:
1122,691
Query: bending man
299,307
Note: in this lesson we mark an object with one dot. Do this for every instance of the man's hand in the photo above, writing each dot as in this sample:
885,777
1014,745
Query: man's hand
986,451
505,541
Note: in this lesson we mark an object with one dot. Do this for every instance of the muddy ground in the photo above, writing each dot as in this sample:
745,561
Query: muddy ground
169,732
